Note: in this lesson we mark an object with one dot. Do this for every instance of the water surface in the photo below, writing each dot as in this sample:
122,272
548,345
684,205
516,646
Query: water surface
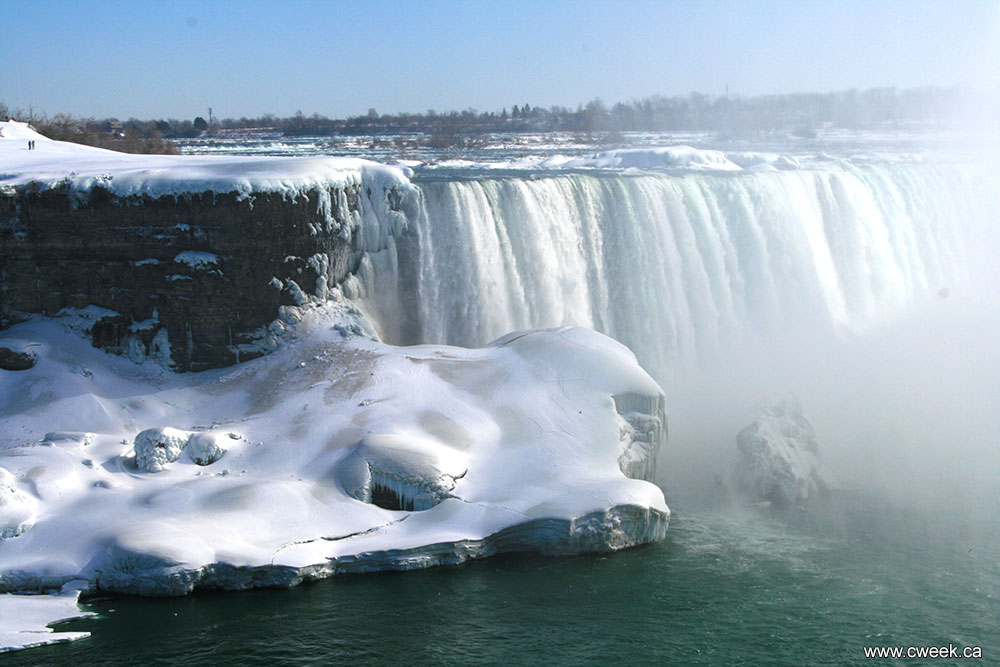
728,586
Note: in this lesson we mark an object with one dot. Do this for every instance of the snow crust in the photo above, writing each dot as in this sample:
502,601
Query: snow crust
514,446
57,163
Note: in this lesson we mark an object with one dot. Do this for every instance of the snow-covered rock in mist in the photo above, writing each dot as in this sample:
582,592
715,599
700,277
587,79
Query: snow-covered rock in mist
779,457
197,259
352,456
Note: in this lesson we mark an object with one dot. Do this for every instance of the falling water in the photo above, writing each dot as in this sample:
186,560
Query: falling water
680,267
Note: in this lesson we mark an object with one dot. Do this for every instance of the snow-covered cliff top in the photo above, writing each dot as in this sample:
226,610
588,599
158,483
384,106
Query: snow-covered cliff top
82,167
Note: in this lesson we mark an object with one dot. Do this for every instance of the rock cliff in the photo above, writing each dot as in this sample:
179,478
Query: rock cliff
195,278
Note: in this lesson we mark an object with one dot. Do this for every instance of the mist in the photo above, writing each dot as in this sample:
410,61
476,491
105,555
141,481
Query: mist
867,291
908,410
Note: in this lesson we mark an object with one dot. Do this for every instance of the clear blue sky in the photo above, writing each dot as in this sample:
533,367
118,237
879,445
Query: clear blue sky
163,58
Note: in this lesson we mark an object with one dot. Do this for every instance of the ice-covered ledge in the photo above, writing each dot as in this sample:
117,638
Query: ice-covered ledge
330,455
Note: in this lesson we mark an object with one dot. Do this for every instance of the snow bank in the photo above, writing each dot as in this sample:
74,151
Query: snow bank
56,163
351,456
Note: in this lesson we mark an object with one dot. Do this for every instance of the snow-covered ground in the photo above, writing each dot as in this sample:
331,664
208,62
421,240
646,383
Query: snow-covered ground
54,163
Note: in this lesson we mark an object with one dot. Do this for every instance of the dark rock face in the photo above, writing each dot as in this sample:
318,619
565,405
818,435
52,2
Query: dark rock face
145,258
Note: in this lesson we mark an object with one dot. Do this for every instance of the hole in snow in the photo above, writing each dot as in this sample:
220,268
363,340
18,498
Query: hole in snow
408,493
388,499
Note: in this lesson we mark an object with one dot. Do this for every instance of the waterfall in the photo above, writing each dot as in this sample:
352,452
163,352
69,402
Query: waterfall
680,267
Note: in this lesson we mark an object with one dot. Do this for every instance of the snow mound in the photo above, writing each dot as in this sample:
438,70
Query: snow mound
397,472
156,447
779,457
13,130
207,448
351,456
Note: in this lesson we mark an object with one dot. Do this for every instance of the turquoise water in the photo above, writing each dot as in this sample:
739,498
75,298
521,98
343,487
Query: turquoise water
728,586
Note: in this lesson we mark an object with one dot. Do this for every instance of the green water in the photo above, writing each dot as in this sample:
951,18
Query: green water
728,586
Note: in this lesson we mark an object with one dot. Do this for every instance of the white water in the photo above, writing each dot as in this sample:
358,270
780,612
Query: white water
684,268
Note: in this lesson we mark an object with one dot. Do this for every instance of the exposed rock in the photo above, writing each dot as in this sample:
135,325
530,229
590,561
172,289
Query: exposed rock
190,277
16,360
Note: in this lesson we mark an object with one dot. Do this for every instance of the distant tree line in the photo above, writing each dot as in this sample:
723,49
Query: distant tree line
852,109
730,116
